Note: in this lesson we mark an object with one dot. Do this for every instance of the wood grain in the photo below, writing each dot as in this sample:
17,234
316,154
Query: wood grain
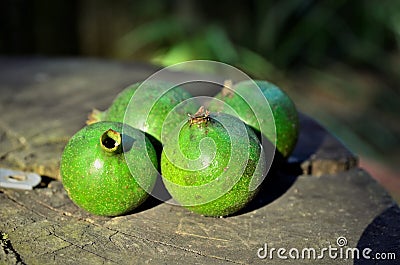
309,201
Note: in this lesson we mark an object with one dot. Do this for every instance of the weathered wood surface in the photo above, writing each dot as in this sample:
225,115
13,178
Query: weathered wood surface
309,202
43,103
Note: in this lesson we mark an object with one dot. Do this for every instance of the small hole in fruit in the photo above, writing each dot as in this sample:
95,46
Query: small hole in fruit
109,142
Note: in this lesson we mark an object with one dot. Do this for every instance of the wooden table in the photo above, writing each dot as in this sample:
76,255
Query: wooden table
318,196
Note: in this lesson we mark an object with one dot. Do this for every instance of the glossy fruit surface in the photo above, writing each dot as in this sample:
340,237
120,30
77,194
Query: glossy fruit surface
146,105
213,165
285,116
95,172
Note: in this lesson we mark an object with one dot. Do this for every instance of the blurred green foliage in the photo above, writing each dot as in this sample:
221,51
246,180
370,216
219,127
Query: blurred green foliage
258,36
255,35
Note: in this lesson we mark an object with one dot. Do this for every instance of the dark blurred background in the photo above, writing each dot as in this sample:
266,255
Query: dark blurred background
339,60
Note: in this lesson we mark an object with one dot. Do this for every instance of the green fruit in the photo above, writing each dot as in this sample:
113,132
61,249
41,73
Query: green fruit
284,113
214,165
149,109
95,172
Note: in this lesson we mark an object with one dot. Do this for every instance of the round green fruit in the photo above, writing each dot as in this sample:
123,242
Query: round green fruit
146,105
95,171
214,165
282,129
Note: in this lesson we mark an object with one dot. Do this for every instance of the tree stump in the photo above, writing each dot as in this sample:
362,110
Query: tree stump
318,199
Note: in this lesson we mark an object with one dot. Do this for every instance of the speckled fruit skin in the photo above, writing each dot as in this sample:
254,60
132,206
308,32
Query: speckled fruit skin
283,111
99,181
158,113
189,140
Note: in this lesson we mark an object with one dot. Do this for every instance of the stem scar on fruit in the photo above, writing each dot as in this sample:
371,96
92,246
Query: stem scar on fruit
110,141
202,116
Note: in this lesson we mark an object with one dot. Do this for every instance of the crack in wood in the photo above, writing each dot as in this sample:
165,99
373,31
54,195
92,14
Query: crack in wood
92,222
15,200
8,249
143,239
175,246
111,236
82,247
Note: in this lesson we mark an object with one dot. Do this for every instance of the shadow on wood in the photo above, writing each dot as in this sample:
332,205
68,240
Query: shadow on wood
382,236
